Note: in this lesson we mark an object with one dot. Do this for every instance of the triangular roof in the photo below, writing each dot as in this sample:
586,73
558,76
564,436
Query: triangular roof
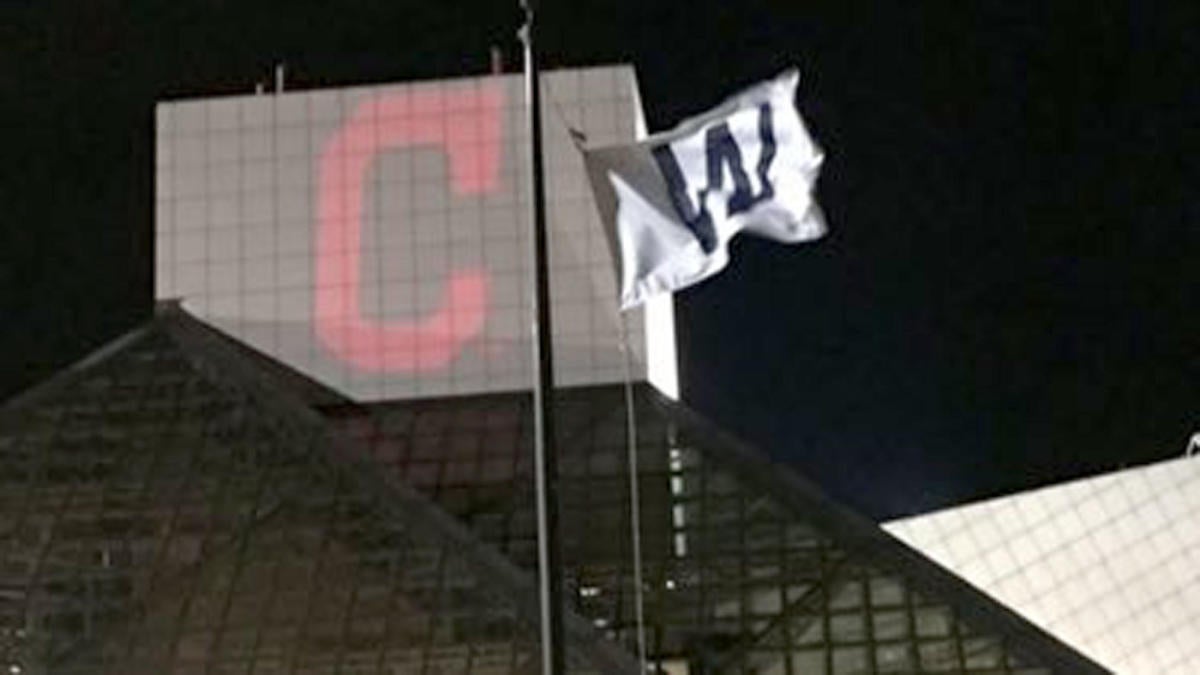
1108,563
165,497
175,505
745,561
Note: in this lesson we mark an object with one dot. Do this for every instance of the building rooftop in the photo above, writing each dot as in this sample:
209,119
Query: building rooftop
1109,563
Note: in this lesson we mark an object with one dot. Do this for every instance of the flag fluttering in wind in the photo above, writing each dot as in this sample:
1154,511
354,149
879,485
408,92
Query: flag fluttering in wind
671,203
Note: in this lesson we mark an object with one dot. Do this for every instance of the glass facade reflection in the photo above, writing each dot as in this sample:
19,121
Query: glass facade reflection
182,504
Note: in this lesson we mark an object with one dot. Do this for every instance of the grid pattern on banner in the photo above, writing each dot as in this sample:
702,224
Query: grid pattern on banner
1110,564
375,238
157,522
735,581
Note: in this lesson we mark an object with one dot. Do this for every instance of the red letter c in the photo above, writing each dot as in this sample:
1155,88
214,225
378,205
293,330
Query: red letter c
466,125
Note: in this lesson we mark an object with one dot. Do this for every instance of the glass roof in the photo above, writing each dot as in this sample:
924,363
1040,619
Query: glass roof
173,507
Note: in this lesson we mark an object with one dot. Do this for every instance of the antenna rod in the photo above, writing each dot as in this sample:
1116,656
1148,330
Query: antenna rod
545,456
497,59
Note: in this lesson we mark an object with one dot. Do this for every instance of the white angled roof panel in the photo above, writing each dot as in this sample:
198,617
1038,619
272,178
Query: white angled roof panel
1109,565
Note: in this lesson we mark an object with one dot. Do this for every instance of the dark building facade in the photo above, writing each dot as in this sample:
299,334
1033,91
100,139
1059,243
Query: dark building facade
179,503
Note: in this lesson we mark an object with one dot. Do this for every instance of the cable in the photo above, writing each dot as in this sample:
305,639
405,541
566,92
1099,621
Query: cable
578,137
634,495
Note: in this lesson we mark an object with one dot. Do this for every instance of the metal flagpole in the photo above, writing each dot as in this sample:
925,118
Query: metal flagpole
545,457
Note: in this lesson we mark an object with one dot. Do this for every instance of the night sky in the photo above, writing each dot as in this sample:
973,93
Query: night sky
1007,296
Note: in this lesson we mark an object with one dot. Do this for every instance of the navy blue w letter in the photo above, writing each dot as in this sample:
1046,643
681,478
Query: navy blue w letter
720,151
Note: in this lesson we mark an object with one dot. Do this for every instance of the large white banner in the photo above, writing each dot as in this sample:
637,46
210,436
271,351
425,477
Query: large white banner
376,238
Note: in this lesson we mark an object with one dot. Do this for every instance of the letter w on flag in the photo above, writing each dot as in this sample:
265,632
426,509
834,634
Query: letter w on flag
671,203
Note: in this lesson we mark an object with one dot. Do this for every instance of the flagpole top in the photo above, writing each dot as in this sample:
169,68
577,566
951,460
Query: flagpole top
526,29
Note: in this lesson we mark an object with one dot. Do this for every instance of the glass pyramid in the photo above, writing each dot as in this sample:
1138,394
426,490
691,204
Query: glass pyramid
177,503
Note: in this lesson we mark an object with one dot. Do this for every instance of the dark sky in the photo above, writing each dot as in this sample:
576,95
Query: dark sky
1008,294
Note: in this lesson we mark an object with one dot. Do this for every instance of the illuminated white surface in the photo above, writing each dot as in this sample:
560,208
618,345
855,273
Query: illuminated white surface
1109,565
662,358
662,361
248,189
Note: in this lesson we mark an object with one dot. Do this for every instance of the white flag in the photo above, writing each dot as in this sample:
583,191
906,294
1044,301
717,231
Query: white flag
671,203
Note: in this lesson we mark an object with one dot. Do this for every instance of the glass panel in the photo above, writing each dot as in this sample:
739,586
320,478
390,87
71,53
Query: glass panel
886,592
847,628
890,625
809,662
848,596
849,660
897,658
932,621
939,656
983,653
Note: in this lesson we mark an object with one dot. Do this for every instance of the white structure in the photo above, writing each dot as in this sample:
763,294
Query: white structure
1110,565
376,238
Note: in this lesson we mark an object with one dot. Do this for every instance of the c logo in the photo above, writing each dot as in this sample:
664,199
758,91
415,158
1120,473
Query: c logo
466,125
